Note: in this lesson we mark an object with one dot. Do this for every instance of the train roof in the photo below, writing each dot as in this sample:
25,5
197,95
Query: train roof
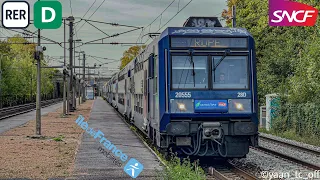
205,31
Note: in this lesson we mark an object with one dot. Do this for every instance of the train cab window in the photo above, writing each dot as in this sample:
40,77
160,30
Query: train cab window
231,73
189,73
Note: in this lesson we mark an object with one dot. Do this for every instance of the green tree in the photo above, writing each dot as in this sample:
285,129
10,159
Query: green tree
130,54
288,64
283,53
19,70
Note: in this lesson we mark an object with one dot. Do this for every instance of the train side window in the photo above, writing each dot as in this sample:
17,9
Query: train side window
151,66
145,83
156,78
141,104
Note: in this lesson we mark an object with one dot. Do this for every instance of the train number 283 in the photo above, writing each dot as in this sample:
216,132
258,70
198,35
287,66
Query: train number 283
242,94
183,94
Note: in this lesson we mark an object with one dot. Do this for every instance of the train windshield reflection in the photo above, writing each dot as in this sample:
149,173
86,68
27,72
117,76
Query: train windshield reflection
231,73
182,72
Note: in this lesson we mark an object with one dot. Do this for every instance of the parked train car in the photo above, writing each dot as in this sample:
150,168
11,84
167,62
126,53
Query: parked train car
90,93
193,89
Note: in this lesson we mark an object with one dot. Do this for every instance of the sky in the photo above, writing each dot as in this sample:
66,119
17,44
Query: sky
138,13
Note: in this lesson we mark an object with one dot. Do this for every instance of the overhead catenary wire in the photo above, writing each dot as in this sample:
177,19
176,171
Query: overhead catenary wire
157,17
89,8
42,37
172,18
112,24
92,14
71,7
114,35
86,13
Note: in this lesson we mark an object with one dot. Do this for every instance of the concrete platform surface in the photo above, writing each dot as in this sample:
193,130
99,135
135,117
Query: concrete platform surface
93,164
15,121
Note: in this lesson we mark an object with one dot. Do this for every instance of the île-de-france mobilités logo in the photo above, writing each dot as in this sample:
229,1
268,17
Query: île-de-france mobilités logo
47,14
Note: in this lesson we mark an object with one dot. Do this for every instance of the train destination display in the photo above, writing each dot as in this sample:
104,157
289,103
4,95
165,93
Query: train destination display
209,42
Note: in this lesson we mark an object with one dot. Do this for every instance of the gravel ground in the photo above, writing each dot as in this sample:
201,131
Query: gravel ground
24,157
265,166
292,141
281,148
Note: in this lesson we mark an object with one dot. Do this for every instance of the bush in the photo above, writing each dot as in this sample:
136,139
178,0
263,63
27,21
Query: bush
298,122
182,170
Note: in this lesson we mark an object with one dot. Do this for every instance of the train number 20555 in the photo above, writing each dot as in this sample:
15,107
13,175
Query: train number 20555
183,94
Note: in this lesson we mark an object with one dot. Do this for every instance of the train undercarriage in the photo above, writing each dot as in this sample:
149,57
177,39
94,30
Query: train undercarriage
226,139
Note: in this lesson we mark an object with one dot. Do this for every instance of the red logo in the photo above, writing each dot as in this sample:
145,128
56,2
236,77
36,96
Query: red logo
222,104
289,13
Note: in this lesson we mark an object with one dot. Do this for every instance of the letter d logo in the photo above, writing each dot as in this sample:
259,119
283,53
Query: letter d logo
47,14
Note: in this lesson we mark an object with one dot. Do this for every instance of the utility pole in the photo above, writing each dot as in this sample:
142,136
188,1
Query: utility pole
38,103
64,76
71,103
1,81
79,92
74,71
83,77
79,87
234,16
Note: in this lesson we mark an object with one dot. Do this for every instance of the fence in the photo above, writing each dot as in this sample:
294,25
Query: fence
14,100
302,119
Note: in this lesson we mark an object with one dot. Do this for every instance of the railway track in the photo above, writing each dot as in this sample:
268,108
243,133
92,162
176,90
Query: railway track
223,171
21,109
287,157
228,171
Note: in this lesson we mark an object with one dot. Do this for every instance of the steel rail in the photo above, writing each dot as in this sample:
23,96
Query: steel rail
299,147
284,156
229,172
21,109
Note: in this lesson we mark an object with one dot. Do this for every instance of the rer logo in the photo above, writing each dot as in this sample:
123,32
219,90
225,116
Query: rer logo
15,14
47,14
289,13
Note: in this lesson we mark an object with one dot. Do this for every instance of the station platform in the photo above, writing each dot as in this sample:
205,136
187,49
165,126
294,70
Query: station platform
92,164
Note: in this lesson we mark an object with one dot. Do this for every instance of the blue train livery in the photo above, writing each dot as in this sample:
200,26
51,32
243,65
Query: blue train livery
193,89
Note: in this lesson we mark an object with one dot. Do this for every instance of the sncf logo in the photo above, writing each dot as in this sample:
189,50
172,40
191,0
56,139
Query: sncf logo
289,13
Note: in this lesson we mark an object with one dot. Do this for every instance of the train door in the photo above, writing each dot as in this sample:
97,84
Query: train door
125,96
132,96
128,94
145,99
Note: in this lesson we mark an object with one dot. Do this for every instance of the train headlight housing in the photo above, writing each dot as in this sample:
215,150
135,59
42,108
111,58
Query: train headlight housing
240,106
181,106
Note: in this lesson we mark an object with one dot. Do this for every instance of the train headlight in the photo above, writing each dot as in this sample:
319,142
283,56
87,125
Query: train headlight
240,106
181,106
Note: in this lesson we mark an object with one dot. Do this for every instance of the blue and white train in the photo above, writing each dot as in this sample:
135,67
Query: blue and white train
193,89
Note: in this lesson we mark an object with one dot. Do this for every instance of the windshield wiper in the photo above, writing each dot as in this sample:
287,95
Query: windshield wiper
226,52
193,71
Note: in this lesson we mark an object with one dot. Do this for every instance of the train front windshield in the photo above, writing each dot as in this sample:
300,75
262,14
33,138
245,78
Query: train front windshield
210,72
